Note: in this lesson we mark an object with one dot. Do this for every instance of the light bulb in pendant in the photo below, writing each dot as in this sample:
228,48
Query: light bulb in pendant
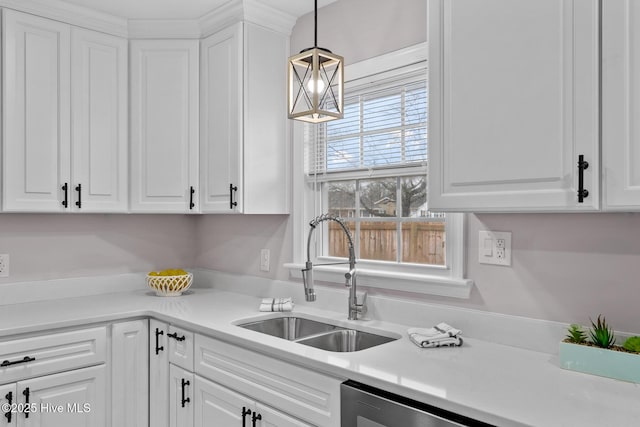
311,85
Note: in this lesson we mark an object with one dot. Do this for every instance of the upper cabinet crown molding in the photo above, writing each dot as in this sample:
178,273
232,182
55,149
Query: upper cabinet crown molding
231,12
71,14
253,11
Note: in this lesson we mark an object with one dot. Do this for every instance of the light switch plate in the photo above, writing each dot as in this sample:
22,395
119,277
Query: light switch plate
494,247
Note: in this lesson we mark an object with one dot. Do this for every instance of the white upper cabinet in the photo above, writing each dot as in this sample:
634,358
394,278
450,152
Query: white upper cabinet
244,153
514,102
65,117
36,113
164,126
621,105
99,121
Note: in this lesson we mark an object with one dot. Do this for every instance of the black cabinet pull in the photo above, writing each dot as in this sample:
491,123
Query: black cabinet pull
254,418
15,362
185,383
9,397
583,193
159,349
176,337
231,190
65,202
26,401
79,190
191,204
245,412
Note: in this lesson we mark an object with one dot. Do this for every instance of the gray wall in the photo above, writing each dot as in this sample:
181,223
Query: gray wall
361,29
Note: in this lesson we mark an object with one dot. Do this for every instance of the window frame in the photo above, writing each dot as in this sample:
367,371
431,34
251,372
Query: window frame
445,280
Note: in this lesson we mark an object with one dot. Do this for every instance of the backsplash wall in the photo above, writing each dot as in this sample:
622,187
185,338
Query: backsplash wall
50,246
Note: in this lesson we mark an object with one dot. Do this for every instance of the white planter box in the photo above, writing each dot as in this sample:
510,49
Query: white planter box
600,361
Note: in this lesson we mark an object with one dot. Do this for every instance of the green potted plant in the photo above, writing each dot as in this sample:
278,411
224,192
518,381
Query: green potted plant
598,353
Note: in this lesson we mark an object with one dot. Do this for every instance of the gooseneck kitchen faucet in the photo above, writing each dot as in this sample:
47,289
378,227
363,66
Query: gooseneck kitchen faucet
350,276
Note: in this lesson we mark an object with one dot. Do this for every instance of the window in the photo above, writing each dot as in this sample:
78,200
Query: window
383,130
370,168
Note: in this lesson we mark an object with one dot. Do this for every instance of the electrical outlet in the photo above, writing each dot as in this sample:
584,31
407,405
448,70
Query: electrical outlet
494,247
4,265
265,254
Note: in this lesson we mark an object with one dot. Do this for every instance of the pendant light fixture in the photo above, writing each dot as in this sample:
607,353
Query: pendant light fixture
315,82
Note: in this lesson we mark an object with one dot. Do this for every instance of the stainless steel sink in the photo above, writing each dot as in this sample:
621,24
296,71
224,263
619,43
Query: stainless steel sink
346,340
289,328
317,334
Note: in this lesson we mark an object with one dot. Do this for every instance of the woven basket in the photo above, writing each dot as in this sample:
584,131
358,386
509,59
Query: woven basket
170,286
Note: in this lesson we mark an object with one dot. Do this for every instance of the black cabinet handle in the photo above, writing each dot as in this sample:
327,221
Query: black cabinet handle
254,418
245,412
191,204
582,192
9,397
65,202
26,401
231,190
158,349
185,383
79,190
15,362
176,337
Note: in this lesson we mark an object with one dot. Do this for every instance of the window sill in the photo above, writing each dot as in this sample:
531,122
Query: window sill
405,282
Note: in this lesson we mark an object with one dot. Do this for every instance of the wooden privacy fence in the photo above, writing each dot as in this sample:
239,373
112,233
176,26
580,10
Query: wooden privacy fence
422,242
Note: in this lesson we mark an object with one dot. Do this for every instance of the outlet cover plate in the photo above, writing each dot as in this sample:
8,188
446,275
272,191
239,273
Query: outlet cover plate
494,247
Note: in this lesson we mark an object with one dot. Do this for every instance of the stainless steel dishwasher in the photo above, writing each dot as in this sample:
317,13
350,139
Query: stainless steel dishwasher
366,406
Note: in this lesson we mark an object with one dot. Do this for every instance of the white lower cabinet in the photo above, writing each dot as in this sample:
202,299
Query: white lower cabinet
220,406
130,373
71,399
181,398
158,374
277,392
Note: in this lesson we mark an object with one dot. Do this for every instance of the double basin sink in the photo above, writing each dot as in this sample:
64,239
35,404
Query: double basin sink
317,334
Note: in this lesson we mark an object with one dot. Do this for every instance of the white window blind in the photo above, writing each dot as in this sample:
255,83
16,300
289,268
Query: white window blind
383,127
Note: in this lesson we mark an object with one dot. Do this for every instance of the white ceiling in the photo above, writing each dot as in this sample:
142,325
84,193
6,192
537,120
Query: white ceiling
185,9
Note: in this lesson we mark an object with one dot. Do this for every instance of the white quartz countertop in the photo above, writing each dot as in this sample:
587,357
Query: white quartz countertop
494,383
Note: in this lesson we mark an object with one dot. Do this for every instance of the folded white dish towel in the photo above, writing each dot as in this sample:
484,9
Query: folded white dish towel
276,304
438,336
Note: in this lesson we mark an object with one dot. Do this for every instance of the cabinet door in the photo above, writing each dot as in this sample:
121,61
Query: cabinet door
99,137
71,399
215,402
8,396
36,110
514,101
266,154
164,125
621,105
181,397
130,374
158,374
221,121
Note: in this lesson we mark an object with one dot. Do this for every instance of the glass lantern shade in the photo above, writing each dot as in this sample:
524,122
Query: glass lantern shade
315,86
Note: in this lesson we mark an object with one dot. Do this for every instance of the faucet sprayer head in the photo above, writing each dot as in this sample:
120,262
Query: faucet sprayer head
307,279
